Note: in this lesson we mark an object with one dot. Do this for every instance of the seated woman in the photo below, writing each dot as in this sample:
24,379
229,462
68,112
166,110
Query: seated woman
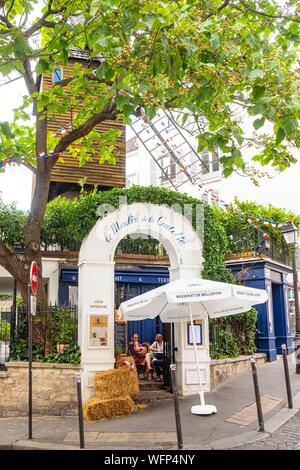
157,353
140,353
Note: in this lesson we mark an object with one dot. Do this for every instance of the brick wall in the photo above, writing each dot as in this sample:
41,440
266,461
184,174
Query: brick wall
54,389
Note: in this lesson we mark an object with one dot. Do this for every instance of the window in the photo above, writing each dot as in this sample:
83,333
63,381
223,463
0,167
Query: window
291,310
57,75
132,180
205,160
215,162
211,163
169,166
153,173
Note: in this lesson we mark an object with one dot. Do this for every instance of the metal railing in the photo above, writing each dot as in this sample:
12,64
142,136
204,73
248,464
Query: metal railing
54,330
245,239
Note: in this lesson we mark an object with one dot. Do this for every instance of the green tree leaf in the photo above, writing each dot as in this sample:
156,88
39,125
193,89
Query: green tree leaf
258,123
280,135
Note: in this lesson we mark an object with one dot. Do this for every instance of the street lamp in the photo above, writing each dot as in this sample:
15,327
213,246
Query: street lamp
290,234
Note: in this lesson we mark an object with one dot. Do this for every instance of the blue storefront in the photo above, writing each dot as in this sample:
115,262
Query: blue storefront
276,318
128,283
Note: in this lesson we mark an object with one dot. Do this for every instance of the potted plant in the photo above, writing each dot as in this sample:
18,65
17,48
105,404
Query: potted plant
118,352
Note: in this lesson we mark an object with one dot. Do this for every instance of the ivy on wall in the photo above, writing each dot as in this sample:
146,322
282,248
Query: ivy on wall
234,335
68,221
243,235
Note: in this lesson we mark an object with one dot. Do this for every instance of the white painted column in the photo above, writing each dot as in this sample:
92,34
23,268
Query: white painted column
96,283
96,297
51,272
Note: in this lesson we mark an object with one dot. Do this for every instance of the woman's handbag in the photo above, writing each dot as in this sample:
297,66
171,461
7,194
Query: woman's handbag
159,356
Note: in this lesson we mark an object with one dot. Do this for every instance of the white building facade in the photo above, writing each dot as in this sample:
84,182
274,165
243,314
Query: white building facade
279,189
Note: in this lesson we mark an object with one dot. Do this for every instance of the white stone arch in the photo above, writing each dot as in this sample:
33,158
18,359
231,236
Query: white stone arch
96,282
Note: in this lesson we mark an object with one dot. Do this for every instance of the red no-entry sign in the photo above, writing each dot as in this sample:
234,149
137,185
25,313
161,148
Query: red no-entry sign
33,277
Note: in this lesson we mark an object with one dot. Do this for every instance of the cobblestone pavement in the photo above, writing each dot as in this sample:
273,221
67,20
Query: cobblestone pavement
287,437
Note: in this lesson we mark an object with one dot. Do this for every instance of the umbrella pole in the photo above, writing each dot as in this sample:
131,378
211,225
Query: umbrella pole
201,393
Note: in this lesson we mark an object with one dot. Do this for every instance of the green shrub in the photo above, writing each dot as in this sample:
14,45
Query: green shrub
64,325
234,335
225,346
66,356
19,352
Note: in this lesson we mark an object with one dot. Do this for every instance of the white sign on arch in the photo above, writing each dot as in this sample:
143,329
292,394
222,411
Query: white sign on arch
96,286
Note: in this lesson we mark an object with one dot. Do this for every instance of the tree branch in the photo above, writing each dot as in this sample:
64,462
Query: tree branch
223,5
28,77
43,21
30,167
5,22
10,8
10,261
108,113
268,15
11,81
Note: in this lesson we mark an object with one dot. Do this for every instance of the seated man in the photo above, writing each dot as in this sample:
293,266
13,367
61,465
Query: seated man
157,353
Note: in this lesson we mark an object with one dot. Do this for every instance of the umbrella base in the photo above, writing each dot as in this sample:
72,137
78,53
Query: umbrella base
203,410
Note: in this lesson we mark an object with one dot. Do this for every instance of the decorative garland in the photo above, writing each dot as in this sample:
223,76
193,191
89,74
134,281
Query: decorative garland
20,159
244,216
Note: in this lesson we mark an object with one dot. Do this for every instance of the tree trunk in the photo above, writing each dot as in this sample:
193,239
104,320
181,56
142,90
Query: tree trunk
32,246
18,268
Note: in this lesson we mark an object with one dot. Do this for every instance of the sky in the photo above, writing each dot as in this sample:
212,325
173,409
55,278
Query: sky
15,183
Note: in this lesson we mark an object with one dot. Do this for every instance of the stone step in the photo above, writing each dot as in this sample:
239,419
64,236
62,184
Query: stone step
152,396
150,385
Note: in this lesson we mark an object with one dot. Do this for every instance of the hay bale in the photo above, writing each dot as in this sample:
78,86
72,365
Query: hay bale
115,383
96,409
114,389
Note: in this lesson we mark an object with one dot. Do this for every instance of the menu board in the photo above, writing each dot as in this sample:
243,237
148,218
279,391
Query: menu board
98,328
121,336
198,332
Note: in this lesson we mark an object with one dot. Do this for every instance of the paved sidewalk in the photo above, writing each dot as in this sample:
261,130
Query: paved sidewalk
234,425
287,437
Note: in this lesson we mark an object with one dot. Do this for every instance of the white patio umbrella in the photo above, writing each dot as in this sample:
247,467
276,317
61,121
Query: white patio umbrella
193,299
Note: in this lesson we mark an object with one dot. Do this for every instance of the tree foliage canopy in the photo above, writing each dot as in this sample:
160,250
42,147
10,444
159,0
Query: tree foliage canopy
216,60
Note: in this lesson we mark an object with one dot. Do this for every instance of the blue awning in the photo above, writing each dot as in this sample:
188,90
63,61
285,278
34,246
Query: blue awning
143,276
69,275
